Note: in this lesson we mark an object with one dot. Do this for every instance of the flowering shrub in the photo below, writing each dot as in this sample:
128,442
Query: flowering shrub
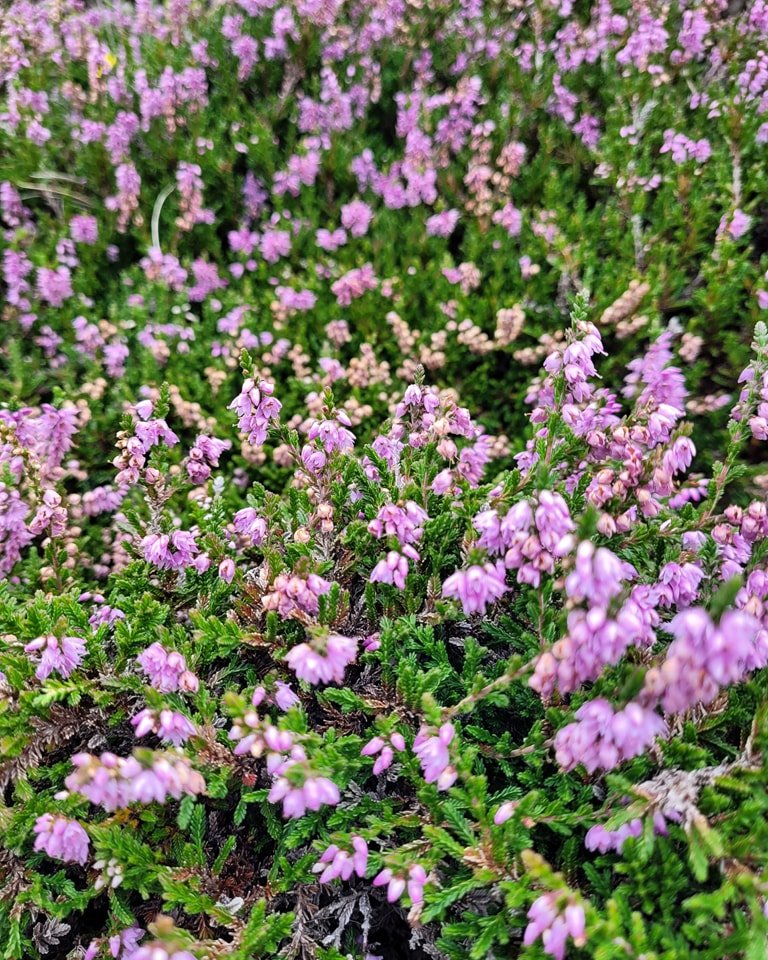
328,627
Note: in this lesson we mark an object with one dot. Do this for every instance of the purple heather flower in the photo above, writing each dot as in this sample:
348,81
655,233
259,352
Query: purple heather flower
169,725
335,862
442,224
170,552
602,738
356,217
249,524
477,587
392,569
84,229
330,241
313,793
61,839
596,577
602,840
167,672
704,658
116,782
275,244
433,754
505,812
383,749
396,884
292,594
62,655
324,659
546,920
255,407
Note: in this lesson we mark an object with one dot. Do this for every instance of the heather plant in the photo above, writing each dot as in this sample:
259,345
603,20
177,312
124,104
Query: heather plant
406,705
382,514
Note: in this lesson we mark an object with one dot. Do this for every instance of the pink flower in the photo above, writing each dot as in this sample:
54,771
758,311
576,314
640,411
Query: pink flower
61,655
170,552
275,244
204,454
167,672
505,812
324,659
342,863
292,594
739,223
84,229
546,920
61,839
169,725
477,587
248,523
116,782
256,407
356,217
330,241
392,569
396,884
385,749
434,757
311,795
442,224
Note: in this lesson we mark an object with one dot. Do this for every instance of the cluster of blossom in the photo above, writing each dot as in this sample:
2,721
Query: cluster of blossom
383,748
59,655
297,785
324,659
248,523
704,658
293,595
47,434
405,525
596,637
189,182
148,433
255,408
682,148
166,670
758,422
600,839
204,454
276,692
434,756
602,738
174,551
61,839
255,735
529,538
105,615
114,782
412,882
337,862
477,587
50,516
167,724
122,946
331,434
555,921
